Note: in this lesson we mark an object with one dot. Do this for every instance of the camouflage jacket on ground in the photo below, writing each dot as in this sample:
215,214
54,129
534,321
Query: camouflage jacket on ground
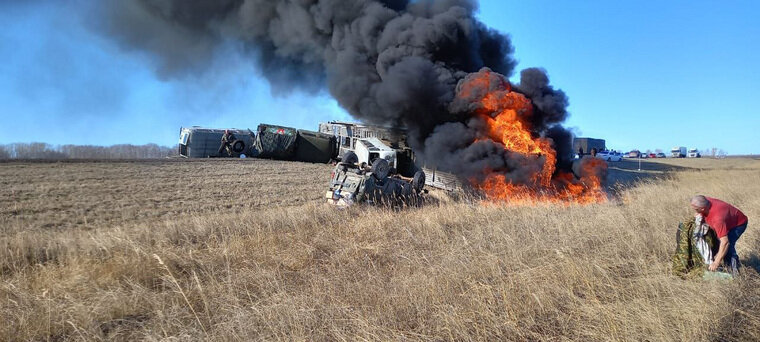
687,260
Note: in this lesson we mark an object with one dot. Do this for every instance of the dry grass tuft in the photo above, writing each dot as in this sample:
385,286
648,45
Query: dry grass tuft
244,250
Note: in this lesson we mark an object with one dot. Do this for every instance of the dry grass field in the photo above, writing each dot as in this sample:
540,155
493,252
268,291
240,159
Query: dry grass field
245,250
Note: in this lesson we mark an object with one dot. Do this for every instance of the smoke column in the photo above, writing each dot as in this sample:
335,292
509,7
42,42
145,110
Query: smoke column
389,62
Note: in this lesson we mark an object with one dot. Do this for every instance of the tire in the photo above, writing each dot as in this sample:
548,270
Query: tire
369,188
238,146
350,158
407,190
398,188
418,182
380,168
405,194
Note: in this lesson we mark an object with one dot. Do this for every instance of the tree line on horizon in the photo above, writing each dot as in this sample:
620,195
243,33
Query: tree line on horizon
38,150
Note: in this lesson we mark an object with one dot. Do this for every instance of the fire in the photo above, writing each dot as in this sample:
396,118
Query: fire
507,116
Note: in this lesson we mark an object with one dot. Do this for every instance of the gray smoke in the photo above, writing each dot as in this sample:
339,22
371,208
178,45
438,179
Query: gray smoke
453,147
389,62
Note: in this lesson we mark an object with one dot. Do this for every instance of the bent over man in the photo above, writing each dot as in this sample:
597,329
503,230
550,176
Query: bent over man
227,139
729,224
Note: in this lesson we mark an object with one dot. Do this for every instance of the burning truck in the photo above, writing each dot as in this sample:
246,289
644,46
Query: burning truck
430,67
370,142
352,182
498,153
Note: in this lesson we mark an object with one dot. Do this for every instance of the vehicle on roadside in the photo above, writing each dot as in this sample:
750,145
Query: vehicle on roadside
377,183
678,152
661,155
586,144
652,155
693,153
634,154
609,156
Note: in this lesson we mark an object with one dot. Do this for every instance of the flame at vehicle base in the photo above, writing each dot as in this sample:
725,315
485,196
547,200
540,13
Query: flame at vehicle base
507,115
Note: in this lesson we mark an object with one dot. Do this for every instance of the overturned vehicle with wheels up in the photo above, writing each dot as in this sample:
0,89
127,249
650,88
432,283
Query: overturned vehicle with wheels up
376,183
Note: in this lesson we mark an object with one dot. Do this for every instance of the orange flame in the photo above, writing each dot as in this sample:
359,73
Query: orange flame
507,115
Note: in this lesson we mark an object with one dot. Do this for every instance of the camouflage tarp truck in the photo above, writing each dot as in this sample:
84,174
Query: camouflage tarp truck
275,142
315,147
200,142
287,143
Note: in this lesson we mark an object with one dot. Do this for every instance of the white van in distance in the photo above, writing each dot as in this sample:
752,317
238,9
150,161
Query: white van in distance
693,153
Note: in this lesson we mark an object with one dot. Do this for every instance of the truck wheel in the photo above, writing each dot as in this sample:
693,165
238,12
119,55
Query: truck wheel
407,190
350,158
369,188
418,182
238,146
380,168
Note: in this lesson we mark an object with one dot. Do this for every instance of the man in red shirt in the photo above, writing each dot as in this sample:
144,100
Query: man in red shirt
728,223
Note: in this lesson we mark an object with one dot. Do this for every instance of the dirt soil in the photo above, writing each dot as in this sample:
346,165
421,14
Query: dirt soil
37,195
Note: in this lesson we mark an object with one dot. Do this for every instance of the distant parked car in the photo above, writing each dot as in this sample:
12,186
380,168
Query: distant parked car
652,155
634,154
609,156
661,155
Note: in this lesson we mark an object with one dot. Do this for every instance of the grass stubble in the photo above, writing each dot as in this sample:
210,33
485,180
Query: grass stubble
245,250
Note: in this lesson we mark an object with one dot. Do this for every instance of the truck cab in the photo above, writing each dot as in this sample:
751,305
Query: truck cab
353,182
693,153
678,152
369,149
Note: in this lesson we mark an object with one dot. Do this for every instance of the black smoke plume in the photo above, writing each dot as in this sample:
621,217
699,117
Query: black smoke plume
389,62
462,148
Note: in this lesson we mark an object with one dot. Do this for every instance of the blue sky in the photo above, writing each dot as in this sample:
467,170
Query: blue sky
645,75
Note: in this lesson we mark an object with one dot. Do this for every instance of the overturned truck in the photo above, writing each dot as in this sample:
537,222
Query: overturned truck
378,183
201,142
269,141
371,142
286,143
